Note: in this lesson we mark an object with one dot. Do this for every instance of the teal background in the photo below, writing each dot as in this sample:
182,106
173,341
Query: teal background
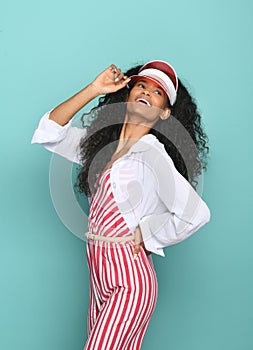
50,50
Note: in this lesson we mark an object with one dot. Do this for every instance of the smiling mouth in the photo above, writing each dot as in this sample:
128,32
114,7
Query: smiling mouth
142,100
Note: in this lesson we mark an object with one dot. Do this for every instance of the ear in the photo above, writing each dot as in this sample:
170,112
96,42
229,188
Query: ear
166,113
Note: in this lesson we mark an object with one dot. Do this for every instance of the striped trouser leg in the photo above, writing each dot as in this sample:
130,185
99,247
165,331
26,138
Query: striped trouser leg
122,297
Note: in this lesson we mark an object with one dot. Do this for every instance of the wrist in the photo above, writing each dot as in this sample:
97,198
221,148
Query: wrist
94,91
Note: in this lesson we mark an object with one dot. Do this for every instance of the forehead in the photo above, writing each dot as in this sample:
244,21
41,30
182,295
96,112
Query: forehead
150,83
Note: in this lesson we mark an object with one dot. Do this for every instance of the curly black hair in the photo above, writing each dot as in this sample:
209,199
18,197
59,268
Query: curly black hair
189,154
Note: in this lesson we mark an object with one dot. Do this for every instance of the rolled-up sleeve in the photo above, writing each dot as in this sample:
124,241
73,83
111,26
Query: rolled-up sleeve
63,140
185,212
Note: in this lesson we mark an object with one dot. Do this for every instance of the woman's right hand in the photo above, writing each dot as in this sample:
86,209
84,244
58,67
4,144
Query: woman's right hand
110,80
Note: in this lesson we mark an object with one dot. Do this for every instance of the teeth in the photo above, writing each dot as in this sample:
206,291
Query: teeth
143,101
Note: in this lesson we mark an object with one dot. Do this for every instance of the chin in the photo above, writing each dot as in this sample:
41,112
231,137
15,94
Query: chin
143,111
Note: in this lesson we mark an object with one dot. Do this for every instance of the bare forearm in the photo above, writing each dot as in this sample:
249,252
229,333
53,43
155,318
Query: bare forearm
66,110
110,80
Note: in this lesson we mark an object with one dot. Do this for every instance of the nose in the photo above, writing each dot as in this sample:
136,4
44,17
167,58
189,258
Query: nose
146,92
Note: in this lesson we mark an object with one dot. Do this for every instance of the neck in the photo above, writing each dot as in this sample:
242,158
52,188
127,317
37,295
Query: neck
132,130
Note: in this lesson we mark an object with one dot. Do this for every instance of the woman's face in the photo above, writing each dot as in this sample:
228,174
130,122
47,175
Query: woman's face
151,94
150,97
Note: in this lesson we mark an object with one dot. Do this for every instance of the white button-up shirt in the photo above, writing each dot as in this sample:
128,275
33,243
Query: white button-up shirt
148,189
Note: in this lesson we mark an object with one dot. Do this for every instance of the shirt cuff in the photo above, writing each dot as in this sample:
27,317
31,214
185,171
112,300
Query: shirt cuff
49,131
148,238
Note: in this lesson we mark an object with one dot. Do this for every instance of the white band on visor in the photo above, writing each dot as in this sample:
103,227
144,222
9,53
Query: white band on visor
163,80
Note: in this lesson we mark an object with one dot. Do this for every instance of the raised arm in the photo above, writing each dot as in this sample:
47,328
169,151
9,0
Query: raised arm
55,132
110,80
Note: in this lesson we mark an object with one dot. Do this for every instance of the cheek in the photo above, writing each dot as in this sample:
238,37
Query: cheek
131,94
165,102
161,101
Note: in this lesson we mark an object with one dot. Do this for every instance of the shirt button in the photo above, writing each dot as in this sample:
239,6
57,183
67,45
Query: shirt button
114,185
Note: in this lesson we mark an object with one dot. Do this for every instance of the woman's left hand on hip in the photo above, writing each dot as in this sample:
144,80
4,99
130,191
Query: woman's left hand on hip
138,243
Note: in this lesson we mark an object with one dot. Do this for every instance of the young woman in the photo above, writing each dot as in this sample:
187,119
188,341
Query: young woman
140,157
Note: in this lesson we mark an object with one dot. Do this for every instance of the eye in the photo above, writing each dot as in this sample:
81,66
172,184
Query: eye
158,92
141,85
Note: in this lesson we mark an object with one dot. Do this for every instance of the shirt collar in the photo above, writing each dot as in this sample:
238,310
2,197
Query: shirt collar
143,144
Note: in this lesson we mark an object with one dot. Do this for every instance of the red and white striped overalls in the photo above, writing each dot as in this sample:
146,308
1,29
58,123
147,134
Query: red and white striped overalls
123,290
